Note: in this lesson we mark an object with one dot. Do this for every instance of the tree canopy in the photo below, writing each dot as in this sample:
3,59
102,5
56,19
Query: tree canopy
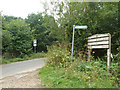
18,33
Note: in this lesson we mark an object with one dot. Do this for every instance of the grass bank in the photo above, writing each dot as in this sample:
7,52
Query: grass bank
32,56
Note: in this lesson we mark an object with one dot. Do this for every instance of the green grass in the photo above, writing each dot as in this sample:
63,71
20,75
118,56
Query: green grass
32,56
7,61
37,55
77,76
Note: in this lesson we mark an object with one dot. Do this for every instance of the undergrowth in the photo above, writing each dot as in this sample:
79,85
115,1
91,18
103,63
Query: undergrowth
60,73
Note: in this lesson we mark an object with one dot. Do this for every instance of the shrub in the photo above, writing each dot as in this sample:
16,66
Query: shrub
58,55
17,38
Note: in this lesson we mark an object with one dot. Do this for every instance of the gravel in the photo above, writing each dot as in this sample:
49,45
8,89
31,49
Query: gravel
23,80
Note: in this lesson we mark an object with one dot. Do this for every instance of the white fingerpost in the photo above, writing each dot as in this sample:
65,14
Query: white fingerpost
75,27
72,43
80,27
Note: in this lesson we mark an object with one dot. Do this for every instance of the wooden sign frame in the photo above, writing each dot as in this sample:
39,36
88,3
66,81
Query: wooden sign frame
99,41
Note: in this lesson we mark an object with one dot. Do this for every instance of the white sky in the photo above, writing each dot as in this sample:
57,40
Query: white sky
20,8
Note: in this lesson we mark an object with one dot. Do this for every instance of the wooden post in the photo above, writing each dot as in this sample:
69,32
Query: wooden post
89,54
109,54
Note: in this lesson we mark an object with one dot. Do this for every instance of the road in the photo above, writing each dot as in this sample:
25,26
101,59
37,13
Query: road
20,67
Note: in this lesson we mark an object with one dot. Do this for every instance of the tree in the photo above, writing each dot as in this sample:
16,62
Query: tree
43,29
6,40
20,42
99,17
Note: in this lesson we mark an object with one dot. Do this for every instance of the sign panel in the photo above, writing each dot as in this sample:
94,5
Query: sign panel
99,41
34,42
80,27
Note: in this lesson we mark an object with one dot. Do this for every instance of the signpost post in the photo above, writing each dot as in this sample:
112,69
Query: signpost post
75,27
35,44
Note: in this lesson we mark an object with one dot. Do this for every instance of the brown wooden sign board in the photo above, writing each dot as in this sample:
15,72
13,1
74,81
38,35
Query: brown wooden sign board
100,41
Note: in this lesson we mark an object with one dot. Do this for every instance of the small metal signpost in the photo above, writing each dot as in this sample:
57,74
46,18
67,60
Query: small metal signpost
75,27
35,44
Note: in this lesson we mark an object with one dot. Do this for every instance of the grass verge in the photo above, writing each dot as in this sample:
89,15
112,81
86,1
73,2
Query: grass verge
32,56
80,76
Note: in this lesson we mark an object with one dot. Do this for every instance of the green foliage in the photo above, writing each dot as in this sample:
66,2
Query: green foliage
60,55
6,40
60,73
7,61
38,55
9,18
18,34
34,20
43,29
26,57
80,74
99,17
17,38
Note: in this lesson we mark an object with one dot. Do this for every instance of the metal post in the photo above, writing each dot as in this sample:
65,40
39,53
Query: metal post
34,49
72,43
34,44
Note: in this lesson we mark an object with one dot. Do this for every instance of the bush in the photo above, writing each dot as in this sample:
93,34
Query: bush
17,38
6,55
38,55
58,55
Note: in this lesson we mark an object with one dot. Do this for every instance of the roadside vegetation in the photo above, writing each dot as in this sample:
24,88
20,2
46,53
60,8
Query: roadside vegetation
61,73
18,35
54,31
31,56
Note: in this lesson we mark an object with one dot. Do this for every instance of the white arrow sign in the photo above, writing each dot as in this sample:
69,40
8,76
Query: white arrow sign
80,27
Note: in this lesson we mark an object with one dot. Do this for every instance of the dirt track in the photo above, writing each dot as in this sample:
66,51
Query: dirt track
23,80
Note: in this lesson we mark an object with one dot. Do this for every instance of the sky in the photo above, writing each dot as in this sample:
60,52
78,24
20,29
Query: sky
20,8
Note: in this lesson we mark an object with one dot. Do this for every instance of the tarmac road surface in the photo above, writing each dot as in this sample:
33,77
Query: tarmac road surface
20,67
